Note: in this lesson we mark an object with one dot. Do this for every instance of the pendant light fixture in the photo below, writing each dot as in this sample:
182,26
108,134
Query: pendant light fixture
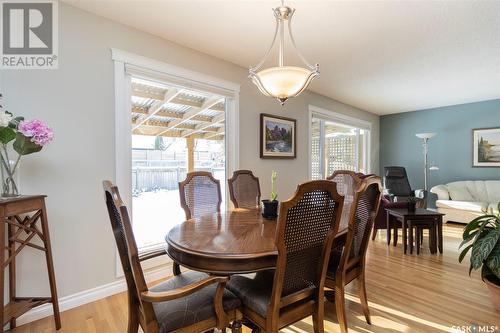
283,82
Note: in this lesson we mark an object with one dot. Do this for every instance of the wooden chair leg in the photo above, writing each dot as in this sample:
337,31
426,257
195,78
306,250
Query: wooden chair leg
236,327
133,321
374,233
340,307
363,298
319,316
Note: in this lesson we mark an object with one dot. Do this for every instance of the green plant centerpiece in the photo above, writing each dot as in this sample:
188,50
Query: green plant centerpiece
270,207
482,237
412,202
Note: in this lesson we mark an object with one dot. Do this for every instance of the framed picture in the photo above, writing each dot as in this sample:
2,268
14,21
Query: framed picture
277,137
486,147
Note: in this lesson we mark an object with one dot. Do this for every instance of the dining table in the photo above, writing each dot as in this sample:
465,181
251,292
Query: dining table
238,241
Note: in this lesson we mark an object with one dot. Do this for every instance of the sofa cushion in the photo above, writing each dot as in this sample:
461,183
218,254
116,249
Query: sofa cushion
441,191
470,206
477,188
458,191
493,190
493,207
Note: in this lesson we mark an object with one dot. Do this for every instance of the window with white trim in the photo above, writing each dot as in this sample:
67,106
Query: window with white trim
337,144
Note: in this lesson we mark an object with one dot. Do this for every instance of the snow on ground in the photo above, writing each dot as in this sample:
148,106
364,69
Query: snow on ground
154,214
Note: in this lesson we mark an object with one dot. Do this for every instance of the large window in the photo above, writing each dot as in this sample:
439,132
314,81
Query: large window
175,130
338,144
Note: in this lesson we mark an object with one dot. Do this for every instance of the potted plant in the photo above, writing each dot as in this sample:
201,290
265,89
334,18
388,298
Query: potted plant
27,137
412,203
270,210
482,235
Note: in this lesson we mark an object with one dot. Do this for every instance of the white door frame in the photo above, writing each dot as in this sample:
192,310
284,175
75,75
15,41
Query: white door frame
124,62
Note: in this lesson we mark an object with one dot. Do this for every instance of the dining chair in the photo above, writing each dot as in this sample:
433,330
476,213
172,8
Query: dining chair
244,189
306,226
347,183
381,219
348,257
200,194
189,302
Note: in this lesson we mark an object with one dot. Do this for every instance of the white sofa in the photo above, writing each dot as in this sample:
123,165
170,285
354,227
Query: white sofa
465,200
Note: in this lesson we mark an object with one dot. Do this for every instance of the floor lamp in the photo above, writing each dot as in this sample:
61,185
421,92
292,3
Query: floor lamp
425,138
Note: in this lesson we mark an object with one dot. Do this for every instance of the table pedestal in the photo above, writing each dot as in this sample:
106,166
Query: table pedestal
26,218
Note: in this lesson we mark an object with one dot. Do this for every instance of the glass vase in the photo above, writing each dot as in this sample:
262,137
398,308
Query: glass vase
10,180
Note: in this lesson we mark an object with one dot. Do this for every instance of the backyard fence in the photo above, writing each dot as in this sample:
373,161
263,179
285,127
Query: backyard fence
147,179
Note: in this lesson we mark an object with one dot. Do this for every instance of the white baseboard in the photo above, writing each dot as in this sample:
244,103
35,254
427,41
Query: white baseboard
90,295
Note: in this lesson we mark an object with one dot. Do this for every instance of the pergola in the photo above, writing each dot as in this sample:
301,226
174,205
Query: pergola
161,110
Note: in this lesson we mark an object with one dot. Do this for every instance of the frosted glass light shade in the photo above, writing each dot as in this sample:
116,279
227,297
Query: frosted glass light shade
283,82
425,135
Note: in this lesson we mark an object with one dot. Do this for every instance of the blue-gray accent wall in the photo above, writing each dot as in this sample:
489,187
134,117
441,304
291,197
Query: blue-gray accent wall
451,149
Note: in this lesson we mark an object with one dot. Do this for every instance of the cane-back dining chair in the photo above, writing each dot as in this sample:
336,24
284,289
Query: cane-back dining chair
200,194
347,183
347,260
244,189
187,303
306,226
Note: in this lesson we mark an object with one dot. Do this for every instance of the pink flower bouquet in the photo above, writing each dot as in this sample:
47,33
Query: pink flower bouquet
28,137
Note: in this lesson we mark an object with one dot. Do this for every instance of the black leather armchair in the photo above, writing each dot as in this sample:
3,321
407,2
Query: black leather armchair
398,187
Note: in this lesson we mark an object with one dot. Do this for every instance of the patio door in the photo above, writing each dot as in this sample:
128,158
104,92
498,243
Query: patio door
175,130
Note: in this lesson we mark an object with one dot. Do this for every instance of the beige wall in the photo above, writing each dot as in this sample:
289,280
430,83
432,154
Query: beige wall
290,172
77,100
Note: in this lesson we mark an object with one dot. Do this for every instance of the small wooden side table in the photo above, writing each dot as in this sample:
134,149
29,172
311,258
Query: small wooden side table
407,218
25,217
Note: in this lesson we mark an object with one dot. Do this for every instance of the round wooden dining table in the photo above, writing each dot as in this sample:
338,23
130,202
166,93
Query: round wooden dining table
233,242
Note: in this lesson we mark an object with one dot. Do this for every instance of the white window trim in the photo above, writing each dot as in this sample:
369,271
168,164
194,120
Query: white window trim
343,120
123,140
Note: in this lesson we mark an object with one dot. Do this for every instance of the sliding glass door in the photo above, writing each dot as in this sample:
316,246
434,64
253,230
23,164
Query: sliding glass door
175,130
337,145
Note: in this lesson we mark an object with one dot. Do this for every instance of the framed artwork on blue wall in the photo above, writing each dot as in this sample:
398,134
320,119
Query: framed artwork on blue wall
486,147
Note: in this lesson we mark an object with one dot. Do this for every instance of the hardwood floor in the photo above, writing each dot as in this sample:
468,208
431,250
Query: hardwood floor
425,293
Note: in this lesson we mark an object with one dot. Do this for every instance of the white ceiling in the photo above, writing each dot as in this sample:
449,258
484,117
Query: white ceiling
381,56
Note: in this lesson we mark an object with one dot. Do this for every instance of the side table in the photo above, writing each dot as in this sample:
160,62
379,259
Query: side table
411,218
25,217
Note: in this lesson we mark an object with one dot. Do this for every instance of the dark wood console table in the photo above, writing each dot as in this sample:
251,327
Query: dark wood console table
26,218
